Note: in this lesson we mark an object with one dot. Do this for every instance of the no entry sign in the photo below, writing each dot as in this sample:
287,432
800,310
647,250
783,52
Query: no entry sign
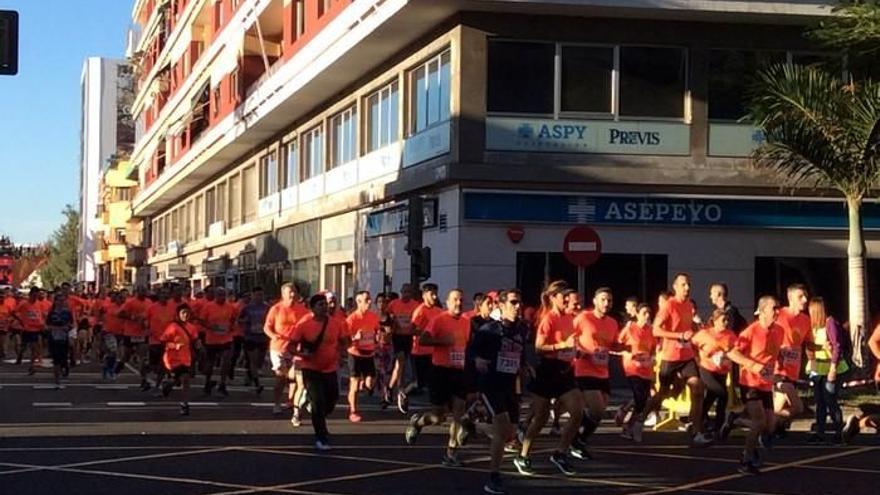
582,246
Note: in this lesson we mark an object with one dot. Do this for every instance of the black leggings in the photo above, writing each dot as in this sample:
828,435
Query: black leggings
826,404
641,389
323,390
716,391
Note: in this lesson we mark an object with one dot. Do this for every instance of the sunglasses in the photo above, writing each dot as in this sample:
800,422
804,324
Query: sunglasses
514,302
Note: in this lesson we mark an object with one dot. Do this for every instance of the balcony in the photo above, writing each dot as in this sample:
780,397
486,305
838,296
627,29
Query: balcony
135,256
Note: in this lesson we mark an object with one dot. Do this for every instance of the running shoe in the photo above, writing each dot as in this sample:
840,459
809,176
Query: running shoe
494,485
167,385
322,445
620,416
413,430
523,465
402,403
184,409
512,447
561,462
701,440
749,468
295,419
355,418
651,420
850,429
578,450
451,460
728,425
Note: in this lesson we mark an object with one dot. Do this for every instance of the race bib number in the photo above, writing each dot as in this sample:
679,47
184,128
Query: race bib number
456,358
717,358
643,360
767,373
508,362
599,357
138,340
566,354
790,355
221,329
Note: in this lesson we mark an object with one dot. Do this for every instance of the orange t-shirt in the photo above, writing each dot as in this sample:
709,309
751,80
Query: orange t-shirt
31,316
797,330
676,316
326,357
178,345
639,359
159,315
557,328
77,307
712,347
112,322
5,315
421,318
45,306
137,313
282,319
762,345
220,322
363,328
403,314
595,338
442,326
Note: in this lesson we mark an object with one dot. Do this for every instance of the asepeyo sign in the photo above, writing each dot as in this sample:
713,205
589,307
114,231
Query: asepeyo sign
587,136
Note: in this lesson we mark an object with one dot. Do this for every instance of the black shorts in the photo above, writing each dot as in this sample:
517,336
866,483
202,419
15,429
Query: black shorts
59,350
179,371
214,351
553,379
256,345
670,370
361,367
402,343
446,384
156,352
499,398
30,337
592,383
749,394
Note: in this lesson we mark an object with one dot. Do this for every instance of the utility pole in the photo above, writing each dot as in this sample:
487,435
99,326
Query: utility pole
419,256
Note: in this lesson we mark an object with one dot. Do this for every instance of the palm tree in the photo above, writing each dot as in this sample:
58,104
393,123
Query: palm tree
824,132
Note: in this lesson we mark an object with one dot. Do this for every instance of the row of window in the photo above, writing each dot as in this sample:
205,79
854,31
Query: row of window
558,79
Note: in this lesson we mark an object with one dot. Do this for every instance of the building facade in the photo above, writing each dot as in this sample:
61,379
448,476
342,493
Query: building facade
282,139
105,133
117,227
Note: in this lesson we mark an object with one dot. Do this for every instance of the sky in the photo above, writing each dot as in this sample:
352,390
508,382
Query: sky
40,107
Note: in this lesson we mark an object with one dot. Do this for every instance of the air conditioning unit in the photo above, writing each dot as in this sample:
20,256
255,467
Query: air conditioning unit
217,229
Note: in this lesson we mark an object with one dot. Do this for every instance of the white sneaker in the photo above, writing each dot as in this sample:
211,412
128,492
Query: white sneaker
322,446
701,440
652,420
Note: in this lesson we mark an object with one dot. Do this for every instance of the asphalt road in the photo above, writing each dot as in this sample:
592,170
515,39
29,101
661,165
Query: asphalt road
95,438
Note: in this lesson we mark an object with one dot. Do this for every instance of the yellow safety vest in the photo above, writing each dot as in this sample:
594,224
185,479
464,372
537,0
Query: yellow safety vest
823,354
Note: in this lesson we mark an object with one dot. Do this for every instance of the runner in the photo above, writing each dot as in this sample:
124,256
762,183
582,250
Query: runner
317,339
499,353
795,322
597,335
825,369
219,318
573,308
675,325
29,316
113,334
639,343
5,317
630,311
385,351
756,351
718,297
447,334
713,344
178,339
402,340
238,340
159,315
363,328
134,313
554,379
422,355
59,322
256,343
282,318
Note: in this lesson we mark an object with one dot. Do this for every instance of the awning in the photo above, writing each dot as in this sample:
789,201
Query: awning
226,62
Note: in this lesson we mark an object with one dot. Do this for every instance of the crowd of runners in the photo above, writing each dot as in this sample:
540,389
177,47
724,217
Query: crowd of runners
477,366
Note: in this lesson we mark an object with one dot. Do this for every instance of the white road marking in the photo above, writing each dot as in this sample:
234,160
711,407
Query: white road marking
52,404
126,404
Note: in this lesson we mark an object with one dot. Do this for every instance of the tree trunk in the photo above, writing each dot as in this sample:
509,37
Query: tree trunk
856,258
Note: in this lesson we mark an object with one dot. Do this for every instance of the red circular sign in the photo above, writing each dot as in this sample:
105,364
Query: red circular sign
582,246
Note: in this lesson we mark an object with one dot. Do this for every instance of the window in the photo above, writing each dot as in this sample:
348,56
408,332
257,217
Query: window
343,137
235,200
268,175
215,108
323,7
199,217
120,235
730,73
430,86
586,79
188,222
175,225
221,204
299,19
249,193
652,81
382,117
291,166
313,153
210,216
521,77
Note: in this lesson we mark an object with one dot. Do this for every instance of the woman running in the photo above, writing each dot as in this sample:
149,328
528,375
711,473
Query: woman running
713,343
179,338
638,365
825,370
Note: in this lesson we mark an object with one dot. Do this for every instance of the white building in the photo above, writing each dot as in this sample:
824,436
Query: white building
98,142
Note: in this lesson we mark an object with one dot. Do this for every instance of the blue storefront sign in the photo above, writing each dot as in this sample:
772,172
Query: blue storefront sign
662,211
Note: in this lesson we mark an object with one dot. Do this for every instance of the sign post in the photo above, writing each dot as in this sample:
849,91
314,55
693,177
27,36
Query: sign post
582,247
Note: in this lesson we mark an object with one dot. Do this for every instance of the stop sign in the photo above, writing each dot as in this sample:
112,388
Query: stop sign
582,246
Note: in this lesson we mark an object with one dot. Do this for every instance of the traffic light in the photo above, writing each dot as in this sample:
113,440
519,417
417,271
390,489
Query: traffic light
421,263
8,42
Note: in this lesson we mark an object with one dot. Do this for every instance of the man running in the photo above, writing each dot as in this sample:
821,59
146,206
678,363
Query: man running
447,334
499,353
675,325
756,351
401,310
280,321
59,322
29,316
795,323
219,318
363,327
422,353
134,315
159,315
256,343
